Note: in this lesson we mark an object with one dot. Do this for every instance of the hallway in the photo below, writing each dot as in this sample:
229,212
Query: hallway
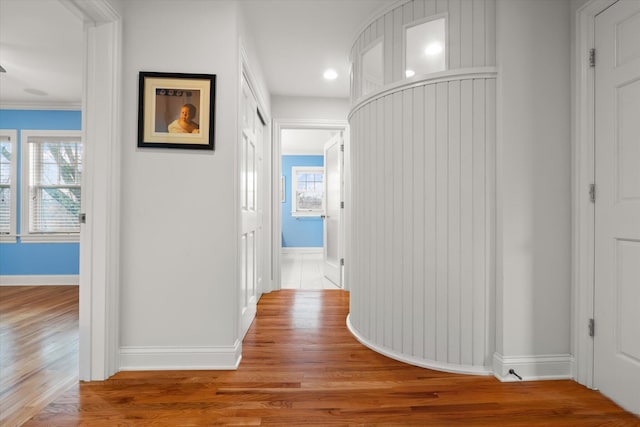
301,366
301,270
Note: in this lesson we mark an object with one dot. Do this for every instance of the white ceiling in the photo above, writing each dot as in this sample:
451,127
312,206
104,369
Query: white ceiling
296,41
41,49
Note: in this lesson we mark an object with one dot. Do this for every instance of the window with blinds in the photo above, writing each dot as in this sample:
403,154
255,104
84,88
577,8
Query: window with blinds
308,191
54,176
8,157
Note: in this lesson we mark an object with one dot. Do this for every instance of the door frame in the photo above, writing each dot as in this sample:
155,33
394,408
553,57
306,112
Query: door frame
99,340
583,167
276,204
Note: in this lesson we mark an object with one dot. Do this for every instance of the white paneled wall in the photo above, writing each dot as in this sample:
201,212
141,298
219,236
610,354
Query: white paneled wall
421,264
471,36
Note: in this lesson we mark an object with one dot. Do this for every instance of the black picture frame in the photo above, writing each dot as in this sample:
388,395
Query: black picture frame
164,98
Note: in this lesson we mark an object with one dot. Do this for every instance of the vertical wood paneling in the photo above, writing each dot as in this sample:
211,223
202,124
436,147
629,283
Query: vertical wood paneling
430,7
388,219
479,211
466,34
407,220
398,209
490,220
442,221
478,33
466,221
388,48
418,258
397,46
381,179
431,276
454,29
490,32
453,209
407,13
423,193
442,6
470,36
418,9
367,194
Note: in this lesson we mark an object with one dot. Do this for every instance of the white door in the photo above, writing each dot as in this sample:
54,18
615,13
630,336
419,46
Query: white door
332,231
250,187
617,211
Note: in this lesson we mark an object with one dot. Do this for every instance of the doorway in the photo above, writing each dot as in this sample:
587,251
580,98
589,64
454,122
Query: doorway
308,219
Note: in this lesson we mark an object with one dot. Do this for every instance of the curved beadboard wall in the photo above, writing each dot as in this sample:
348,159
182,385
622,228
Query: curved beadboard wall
471,36
421,263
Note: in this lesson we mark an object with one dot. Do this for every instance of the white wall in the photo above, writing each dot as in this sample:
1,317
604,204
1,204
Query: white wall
534,167
299,107
179,215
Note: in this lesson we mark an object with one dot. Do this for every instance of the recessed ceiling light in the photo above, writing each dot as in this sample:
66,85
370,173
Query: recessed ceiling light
409,73
330,74
433,49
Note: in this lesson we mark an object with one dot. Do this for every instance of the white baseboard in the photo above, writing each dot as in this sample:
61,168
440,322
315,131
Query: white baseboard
532,368
180,358
301,250
40,280
415,361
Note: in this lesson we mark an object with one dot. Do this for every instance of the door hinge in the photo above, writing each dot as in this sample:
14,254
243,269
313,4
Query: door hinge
341,261
341,205
592,57
592,193
82,218
342,147
592,327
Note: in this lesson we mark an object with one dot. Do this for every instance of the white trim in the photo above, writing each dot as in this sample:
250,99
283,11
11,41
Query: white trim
63,106
100,236
180,358
40,280
276,174
12,134
583,160
424,79
412,360
532,368
49,237
301,250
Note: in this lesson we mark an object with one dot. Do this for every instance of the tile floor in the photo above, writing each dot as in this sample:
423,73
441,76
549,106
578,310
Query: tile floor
302,270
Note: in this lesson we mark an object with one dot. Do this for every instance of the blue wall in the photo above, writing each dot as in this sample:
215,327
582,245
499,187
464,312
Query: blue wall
303,232
38,258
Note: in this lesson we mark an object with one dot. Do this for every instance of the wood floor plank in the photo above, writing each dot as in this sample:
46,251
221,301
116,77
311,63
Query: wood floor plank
38,348
301,366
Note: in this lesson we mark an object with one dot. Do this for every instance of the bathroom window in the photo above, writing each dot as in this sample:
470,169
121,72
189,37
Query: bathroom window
372,68
308,191
425,48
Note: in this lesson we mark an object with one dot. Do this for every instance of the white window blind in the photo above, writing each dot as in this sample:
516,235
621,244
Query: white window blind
54,178
7,184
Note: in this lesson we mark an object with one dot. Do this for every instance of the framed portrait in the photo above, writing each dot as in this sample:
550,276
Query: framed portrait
176,110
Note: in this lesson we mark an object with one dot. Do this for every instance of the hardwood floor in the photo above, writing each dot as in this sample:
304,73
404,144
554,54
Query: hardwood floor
38,348
301,366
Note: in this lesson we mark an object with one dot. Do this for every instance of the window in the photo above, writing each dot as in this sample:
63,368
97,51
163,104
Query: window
52,174
372,68
8,184
425,48
307,191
